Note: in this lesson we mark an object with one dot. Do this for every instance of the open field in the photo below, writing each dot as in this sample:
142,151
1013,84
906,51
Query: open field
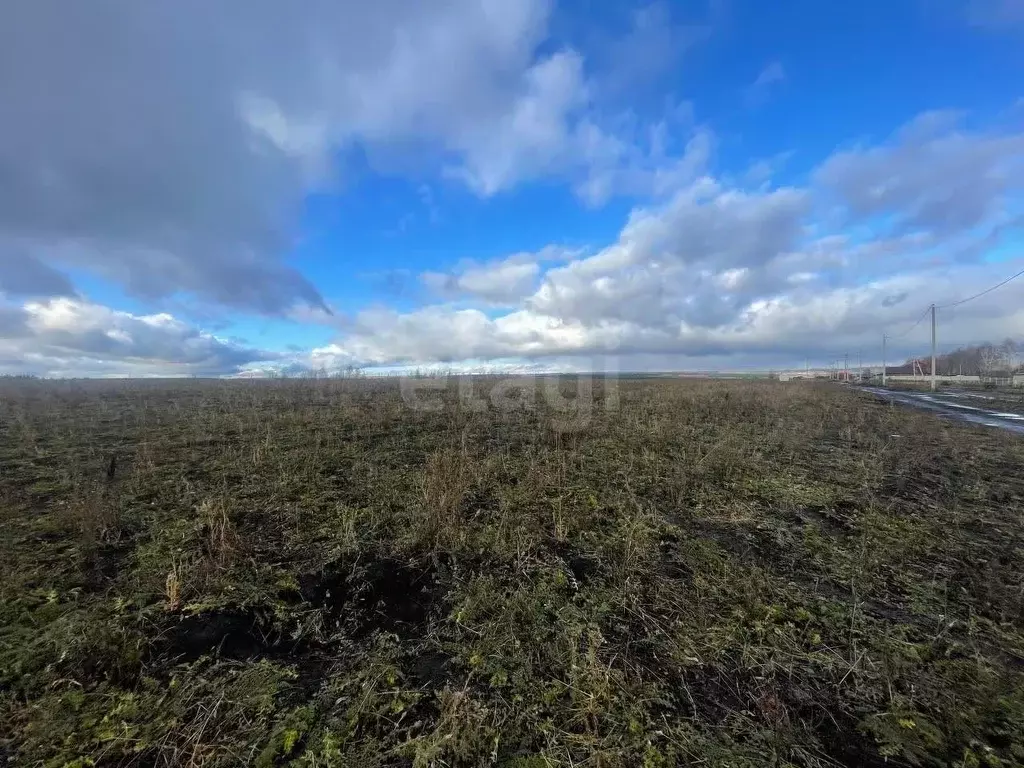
313,573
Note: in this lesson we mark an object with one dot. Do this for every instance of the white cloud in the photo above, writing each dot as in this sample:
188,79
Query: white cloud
530,137
716,274
667,264
73,337
196,137
499,282
930,176
782,329
618,166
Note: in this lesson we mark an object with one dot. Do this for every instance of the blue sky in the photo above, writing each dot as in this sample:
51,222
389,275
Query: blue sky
526,184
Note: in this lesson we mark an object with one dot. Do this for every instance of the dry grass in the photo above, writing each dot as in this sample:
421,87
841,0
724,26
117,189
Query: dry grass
311,573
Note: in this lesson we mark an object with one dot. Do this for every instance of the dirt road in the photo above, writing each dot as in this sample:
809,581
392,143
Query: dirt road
947,405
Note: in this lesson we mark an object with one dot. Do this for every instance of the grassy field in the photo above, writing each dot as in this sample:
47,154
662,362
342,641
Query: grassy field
313,573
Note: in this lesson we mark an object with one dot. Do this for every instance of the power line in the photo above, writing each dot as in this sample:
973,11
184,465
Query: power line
987,290
933,307
954,304
916,323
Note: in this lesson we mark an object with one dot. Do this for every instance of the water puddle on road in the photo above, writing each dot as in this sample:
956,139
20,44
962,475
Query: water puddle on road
1009,422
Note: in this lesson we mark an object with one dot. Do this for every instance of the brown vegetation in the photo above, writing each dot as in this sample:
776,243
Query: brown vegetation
312,573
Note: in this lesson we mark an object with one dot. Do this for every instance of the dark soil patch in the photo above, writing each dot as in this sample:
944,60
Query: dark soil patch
227,633
394,597
379,595
326,590
430,669
582,566
311,670
714,695
479,500
845,744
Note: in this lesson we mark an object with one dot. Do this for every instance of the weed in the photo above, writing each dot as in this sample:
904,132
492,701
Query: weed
446,481
311,573
218,539
95,515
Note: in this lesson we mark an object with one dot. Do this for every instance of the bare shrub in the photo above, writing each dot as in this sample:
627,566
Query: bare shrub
96,515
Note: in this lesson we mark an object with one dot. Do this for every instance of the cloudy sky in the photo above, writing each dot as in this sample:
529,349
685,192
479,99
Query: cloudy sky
210,188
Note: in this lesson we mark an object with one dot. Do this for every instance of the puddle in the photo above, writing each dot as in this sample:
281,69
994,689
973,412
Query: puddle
1008,422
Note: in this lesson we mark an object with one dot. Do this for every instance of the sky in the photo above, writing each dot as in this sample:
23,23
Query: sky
243,188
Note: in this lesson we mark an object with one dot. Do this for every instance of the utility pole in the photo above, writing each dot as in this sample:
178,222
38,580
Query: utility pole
846,366
883,359
860,365
934,383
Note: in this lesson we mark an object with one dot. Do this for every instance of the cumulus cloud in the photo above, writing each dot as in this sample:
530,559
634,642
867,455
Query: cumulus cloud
73,337
718,274
695,260
930,176
499,282
529,135
122,152
615,164
169,147
818,324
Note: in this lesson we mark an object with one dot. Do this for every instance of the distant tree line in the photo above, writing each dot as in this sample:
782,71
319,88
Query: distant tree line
986,359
